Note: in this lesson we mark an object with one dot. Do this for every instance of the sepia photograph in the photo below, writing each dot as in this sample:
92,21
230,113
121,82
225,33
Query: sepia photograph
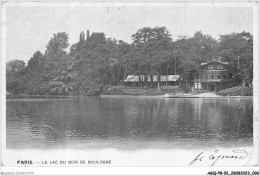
130,84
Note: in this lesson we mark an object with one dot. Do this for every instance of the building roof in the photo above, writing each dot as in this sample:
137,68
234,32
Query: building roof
214,61
164,78
225,63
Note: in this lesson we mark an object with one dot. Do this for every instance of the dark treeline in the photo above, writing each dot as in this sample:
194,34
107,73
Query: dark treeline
96,62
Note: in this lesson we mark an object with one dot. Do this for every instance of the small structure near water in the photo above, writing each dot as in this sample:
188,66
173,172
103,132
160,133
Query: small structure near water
165,80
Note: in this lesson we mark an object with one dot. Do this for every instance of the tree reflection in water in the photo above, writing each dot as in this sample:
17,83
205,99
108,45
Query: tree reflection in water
68,122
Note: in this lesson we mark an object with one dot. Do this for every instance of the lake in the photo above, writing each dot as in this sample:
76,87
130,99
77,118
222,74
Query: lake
128,123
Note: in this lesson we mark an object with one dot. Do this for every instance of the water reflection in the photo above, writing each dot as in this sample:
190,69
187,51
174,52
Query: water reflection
85,121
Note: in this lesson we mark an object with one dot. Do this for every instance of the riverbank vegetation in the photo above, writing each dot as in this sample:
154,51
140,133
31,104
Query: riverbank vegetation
237,91
95,62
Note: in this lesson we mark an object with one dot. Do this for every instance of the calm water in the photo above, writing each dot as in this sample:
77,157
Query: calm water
125,123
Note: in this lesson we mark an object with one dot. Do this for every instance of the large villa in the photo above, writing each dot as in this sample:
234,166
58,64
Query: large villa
213,76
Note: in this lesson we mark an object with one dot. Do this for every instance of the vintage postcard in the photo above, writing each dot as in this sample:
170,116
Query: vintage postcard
126,88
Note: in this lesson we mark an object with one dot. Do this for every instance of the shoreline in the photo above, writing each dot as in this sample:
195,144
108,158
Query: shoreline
18,97
165,96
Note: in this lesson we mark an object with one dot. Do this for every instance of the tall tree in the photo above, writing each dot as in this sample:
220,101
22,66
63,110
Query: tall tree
15,69
237,49
82,37
191,52
36,62
33,76
56,63
152,50
57,44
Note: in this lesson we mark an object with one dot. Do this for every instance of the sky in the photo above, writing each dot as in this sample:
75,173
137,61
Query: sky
29,28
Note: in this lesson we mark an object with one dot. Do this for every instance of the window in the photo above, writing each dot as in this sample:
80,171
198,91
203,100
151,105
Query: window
218,76
219,67
197,86
224,76
206,76
210,67
230,75
210,76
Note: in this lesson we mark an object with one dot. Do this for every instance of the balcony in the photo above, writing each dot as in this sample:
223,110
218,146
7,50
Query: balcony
212,80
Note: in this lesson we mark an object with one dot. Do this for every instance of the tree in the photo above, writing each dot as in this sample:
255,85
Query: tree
152,50
15,66
88,33
82,37
237,49
98,38
55,54
15,69
33,76
96,63
191,52
123,49
56,62
36,63
57,44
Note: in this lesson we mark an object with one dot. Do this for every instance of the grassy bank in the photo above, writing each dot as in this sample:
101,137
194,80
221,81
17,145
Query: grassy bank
121,90
236,91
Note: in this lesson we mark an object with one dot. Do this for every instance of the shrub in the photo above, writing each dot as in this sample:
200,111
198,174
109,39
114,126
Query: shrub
185,86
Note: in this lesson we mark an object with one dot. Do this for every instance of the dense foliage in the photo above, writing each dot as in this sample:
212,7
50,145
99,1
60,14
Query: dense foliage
95,62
